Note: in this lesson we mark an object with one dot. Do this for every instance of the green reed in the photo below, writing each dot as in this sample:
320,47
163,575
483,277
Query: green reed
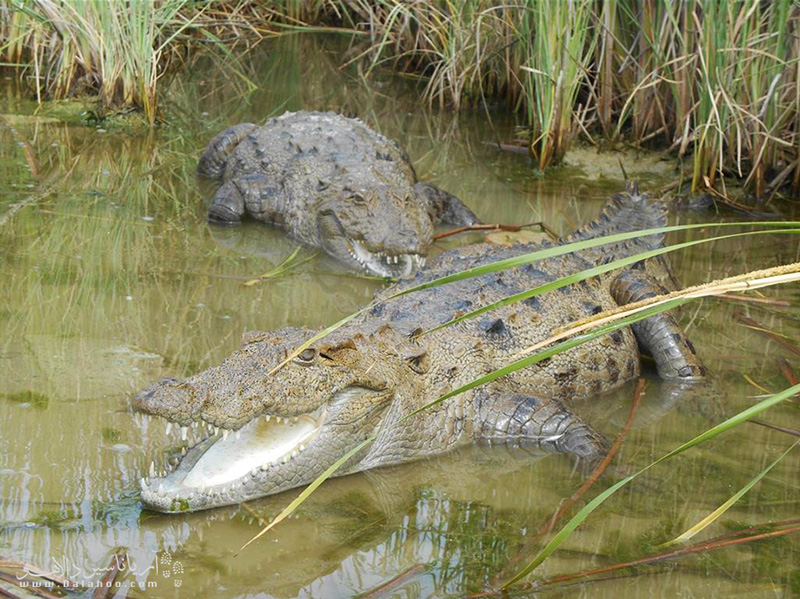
714,80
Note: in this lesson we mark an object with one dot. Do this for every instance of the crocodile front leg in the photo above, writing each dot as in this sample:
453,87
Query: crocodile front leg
660,335
444,207
521,420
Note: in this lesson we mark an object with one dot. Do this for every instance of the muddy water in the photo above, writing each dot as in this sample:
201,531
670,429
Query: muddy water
112,279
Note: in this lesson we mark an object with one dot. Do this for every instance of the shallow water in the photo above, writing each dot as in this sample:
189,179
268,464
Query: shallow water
113,279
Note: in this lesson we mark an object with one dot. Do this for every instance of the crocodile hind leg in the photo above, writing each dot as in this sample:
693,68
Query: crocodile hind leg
522,420
215,157
444,207
659,335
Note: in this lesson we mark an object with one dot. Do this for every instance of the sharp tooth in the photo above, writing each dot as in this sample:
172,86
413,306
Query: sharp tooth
294,453
285,459
152,470
278,419
267,417
169,427
225,432
238,435
301,448
143,483
183,451
216,430
184,433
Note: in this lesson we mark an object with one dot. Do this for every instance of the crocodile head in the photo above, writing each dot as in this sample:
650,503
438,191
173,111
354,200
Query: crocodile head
375,230
246,434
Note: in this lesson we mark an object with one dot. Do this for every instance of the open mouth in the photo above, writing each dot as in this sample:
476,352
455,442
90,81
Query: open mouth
384,264
218,464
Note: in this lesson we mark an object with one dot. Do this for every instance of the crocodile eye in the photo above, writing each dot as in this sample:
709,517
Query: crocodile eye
307,356
357,198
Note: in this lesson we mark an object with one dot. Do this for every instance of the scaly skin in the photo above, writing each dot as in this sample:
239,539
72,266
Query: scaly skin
333,183
364,377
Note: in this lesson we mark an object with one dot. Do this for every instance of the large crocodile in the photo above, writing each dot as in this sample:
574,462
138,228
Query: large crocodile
364,377
330,182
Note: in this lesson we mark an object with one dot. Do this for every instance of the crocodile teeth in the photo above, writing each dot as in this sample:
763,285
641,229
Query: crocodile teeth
184,433
267,417
225,432
152,470
216,430
169,428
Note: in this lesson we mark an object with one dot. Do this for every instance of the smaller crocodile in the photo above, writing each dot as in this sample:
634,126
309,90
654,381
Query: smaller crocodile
331,182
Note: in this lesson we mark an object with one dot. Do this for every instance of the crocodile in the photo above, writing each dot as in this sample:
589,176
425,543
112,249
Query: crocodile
252,432
333,183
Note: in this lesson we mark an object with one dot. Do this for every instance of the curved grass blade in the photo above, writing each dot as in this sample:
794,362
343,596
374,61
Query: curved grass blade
592,272
713,516
310,489
567,530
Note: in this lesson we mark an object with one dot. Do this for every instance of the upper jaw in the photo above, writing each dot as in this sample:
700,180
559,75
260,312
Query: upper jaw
384,263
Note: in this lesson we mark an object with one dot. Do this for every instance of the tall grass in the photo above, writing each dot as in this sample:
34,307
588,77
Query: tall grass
117,50
717,80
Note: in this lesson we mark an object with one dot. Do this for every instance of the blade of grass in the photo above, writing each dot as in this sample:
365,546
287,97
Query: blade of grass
752,280
713,516
288,264
711,433
309,490
592,272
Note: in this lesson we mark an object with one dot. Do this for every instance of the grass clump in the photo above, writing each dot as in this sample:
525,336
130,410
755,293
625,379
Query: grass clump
118,50
714,80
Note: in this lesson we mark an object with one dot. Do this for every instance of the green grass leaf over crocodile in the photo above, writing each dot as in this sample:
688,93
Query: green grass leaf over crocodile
333,183
255,434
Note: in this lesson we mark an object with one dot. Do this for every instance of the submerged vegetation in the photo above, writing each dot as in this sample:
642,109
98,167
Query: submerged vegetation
717,82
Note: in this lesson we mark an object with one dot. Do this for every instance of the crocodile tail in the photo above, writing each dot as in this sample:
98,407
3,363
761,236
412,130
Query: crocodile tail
626,212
